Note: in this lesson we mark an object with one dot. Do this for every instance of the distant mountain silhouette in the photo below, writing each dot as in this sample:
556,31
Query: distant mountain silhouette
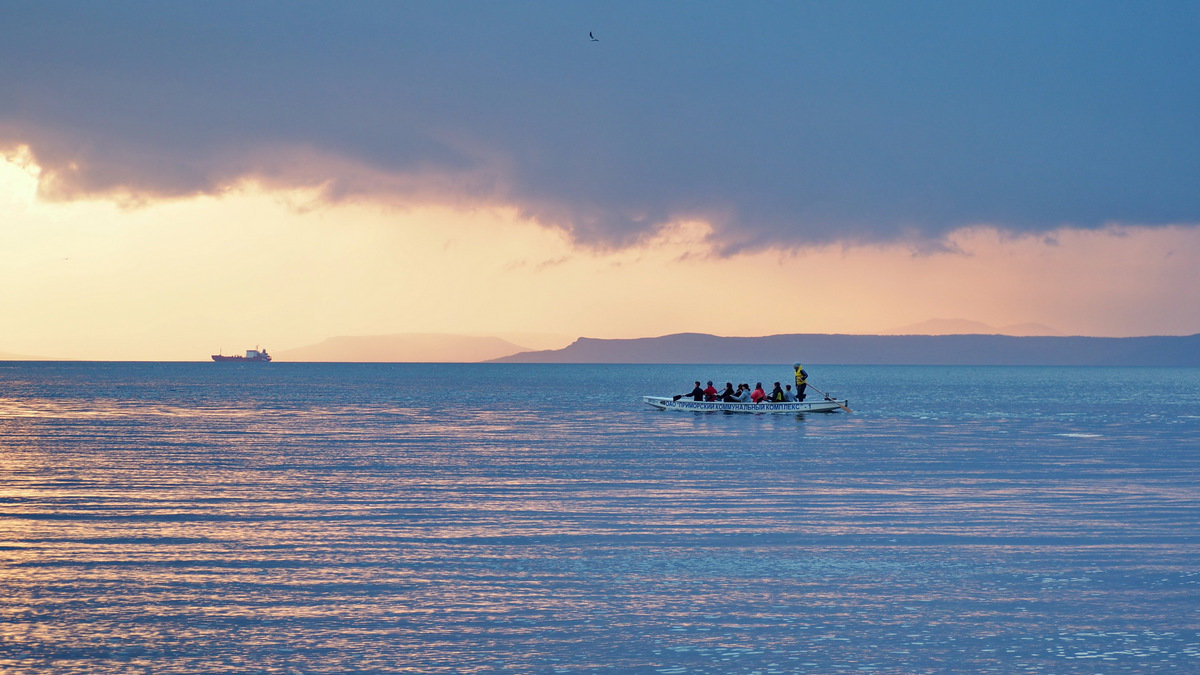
878,349
403,348
4,356
967,327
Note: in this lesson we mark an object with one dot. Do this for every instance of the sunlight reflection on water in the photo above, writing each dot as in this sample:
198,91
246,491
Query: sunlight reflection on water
313,518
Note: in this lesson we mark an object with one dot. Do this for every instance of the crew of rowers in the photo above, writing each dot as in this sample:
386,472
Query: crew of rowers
743,394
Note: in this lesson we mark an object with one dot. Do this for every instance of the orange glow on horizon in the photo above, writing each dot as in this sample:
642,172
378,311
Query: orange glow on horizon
182,278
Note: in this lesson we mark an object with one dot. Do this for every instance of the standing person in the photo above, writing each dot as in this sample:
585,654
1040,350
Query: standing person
710,393
801,381
758,394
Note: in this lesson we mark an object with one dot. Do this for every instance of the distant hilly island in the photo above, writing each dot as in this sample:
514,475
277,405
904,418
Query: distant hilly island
700,348
911,349
878,349
933,342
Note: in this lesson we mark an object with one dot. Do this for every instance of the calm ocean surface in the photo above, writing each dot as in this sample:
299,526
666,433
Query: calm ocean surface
213,518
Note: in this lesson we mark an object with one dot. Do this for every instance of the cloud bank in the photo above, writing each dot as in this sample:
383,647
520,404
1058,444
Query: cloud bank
778,123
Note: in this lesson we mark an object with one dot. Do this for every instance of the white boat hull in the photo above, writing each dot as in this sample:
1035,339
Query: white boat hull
668,403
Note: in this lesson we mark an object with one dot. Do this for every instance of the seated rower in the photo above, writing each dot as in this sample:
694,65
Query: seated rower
696,393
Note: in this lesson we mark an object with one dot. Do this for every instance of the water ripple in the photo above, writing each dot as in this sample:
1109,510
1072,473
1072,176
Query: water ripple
176,518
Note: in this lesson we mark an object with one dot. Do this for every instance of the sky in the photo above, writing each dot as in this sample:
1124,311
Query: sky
182,178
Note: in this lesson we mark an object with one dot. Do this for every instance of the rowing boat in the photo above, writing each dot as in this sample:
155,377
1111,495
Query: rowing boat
668,403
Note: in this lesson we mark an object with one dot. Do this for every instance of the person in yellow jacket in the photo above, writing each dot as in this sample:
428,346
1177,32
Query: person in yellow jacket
801,381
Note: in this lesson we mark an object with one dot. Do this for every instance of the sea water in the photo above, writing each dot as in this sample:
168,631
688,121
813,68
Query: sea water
214,518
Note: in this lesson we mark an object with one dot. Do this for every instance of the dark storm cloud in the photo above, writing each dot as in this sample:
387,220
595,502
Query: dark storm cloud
781,123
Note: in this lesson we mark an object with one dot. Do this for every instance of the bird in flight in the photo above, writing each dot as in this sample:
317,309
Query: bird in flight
593,37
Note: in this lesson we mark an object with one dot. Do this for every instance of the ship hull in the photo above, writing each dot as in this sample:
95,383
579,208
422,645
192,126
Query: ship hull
252,356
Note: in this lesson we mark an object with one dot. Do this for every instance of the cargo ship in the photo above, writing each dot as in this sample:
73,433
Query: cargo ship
255,355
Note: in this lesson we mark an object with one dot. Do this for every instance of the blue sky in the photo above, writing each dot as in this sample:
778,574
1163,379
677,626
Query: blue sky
780,123
182,177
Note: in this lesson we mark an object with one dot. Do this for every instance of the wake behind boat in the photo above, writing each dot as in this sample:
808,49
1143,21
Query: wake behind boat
668,403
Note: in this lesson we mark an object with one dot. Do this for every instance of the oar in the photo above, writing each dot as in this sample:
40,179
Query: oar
827,398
